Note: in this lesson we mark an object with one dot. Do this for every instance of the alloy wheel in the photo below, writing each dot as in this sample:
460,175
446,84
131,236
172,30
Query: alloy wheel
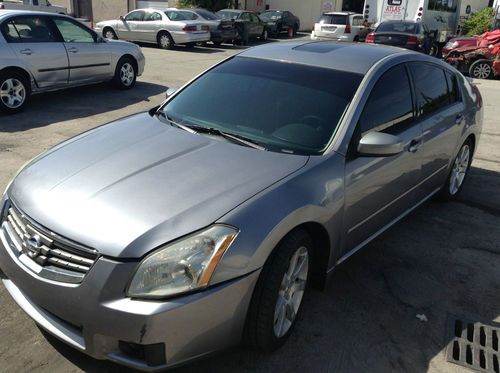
291,292
165,41
13,93
459,169
482,71
109,34
127,74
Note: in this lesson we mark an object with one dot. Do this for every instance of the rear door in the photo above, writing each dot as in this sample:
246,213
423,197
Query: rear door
380,189
89,60
147,29
440,113
36,42
257,25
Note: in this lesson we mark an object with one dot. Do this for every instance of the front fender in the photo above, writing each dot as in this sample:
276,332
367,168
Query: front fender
315,194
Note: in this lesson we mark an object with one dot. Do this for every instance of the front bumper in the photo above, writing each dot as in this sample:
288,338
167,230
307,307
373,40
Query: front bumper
183,37
96,318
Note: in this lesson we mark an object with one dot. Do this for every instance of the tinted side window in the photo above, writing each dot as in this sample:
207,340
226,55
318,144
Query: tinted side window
245,17
431,88
454,92
390,103
31,29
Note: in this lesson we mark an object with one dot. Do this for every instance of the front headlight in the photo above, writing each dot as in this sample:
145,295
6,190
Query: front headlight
182,266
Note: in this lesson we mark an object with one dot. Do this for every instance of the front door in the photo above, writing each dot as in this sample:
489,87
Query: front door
380,189
89,60
35,42
127,27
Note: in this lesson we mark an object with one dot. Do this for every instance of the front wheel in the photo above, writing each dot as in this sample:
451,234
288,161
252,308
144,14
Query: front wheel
481,69
458,172
125,73
14,92
109,34
279,292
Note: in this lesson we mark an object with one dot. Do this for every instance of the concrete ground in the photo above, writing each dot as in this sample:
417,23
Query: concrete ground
441,261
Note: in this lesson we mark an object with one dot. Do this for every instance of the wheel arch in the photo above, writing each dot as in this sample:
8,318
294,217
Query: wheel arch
21,71
134,60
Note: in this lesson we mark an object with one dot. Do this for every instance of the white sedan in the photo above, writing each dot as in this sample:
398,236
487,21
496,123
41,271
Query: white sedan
166,27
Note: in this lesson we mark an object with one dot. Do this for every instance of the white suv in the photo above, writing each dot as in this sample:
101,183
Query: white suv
340,26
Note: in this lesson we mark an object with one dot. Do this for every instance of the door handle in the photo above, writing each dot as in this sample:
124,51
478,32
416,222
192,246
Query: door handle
459,118
414,145
73,50
26,51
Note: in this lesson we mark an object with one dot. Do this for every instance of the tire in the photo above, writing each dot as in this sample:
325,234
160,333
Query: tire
276,297
433,50
165,41
15,92
264,35
295,29
481,69
356,39
458,173
125,73
109,33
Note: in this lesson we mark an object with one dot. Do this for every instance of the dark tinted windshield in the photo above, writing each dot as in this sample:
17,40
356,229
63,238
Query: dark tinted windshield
270,15
406,27
283,106
334,19
206,14
227,14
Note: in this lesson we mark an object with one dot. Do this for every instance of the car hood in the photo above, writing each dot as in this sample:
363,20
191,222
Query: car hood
137,183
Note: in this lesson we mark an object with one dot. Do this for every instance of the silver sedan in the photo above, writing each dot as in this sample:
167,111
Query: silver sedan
41,52
163,27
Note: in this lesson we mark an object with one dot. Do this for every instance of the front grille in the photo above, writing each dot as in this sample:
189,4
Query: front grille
46,253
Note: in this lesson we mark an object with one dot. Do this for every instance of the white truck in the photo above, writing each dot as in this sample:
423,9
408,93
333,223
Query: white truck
39,5
440,15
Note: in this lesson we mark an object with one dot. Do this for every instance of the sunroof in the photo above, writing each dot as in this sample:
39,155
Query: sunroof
322,47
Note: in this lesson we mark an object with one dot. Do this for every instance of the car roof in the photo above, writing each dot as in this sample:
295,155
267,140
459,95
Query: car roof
235,10
341,13
12,12
352,57
400,21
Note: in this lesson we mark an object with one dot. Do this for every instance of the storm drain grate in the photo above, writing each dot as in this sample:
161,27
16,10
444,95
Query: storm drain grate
475,346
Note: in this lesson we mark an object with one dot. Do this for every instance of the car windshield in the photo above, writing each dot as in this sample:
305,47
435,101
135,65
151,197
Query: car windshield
333,19
207,15
408,28
175,15
228,14
270,15
284,107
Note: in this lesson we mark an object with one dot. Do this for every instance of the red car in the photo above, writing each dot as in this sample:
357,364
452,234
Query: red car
459,42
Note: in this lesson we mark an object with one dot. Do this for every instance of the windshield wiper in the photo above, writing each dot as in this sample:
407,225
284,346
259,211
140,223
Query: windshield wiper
238,139
192,128
175,124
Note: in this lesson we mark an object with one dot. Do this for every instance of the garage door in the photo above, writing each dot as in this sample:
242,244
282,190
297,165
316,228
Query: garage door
151,4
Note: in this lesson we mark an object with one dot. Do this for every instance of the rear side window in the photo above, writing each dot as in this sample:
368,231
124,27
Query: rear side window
390,104
431,88
28,30
357,21
153,16
334,19
453,91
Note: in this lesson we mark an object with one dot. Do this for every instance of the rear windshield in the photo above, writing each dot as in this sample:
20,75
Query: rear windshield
227,14
206,14
409,28
334,19
285,107
270,15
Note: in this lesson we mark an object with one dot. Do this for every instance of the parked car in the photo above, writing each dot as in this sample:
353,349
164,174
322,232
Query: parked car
43,52
248,24
405,34
37,5
169,234
221,31
340,26
163,27
459,42
279,21
480,61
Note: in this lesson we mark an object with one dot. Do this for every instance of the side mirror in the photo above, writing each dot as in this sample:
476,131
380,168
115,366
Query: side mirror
380,144
122,18
100,39
171,91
